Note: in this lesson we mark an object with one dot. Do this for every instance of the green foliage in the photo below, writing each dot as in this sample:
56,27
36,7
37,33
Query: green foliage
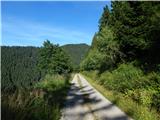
133,17
41,103
129,32
135,26
92,61
53,59
126,75
22,101
52,83
149,93
104,20
109,47
132,82
135,110
104,53
92,74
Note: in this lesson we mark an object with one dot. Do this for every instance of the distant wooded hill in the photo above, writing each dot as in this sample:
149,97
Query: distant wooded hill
76,52
19,64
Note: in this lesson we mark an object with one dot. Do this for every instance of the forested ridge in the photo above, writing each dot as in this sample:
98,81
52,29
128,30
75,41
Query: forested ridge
124,56
76,52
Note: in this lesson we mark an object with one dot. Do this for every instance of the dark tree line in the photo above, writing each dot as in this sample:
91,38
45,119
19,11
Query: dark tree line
24,66
136,27
127,32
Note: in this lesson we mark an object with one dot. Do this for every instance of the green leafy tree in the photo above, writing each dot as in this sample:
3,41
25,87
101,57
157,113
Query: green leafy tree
109,47
46,53
52,59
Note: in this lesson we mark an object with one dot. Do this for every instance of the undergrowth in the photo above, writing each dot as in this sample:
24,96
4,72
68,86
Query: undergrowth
43,102
136,93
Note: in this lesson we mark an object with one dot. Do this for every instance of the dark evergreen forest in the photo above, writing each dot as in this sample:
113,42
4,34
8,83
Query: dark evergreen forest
124,56
19,67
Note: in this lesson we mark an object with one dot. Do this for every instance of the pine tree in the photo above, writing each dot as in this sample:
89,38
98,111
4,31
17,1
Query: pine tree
130,22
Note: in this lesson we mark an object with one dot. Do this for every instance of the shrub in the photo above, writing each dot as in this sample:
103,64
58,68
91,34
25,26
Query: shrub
92,74
92,61
154,85
130,80
127,76
142,96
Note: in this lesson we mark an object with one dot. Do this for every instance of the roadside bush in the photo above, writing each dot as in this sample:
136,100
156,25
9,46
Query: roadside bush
51,83
131,81
92,74
127,76
92,61
154,84
156,100
142,96
106,79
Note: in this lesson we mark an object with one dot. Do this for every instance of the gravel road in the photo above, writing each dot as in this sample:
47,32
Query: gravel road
84,102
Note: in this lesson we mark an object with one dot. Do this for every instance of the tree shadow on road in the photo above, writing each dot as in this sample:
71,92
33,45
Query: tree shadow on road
81,96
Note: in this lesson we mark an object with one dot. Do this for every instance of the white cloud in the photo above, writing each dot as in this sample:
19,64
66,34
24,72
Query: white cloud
30,33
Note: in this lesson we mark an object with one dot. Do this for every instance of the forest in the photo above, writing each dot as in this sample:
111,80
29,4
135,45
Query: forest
19,64
18,67
124,57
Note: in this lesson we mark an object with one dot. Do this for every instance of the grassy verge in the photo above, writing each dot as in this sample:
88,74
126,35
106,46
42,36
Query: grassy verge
132,108
43,102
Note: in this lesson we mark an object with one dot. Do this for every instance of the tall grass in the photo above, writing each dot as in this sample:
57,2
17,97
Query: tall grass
41,103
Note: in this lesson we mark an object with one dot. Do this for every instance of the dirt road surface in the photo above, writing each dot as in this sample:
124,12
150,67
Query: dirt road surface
84,102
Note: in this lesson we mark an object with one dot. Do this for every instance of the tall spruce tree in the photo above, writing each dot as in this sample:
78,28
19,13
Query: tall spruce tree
104,20
132,25
136,28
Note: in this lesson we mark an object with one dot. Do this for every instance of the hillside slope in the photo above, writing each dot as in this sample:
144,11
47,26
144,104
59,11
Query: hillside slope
76,52
18,67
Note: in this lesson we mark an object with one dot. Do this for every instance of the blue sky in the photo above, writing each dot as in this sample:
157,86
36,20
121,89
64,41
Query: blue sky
30,23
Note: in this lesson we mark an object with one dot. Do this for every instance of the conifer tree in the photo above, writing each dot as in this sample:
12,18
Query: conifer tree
104,20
